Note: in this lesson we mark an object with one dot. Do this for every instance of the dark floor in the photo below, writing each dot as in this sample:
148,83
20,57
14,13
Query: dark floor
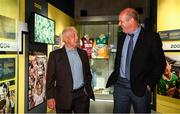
103,104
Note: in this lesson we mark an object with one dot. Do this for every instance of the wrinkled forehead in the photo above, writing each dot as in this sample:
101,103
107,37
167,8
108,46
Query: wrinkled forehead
123,16
73,30
72,33
69,32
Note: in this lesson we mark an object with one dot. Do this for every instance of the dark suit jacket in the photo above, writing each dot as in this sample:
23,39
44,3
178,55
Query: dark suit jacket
59,70
147,64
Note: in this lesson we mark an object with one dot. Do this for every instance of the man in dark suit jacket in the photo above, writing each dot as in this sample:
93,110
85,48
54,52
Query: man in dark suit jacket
133,78
69,77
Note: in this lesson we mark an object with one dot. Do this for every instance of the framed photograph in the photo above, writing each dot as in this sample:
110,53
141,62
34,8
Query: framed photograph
41,29
170,35
169,84
170,40
7,99
58,40
58,43
7,68
11,38
36,80
8,28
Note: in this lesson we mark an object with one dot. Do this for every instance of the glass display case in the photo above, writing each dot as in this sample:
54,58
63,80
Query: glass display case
101,67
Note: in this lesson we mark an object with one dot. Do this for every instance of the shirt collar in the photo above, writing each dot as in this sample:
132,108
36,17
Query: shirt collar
70,50
136,31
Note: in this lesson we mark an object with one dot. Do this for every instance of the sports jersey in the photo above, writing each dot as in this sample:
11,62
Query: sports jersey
166,84
100,48
87,45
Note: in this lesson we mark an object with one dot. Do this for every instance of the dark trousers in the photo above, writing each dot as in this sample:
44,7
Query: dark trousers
80,103
124,98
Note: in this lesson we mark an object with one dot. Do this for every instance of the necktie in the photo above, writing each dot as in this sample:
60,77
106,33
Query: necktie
128,57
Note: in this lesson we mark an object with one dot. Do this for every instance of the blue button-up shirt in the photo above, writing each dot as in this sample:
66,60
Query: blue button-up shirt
124,51
76,67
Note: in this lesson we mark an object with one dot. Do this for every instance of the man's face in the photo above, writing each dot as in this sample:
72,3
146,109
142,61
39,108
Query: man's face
168,69
39,90
30,95
4,91
73,41
32,73
125,23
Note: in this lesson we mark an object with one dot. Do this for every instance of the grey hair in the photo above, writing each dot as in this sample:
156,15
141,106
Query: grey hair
68,32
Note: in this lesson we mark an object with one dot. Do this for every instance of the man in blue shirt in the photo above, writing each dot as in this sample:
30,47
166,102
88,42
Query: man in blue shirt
139,64
69,77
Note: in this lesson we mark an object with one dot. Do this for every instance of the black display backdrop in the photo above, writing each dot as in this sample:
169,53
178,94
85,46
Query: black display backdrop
41,7
42,107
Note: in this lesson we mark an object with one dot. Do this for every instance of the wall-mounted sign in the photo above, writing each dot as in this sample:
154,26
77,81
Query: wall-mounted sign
170,35
8,46
8,34
171,45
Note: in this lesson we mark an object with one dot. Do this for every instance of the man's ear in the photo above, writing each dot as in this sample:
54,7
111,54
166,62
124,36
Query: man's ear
65,40
131,19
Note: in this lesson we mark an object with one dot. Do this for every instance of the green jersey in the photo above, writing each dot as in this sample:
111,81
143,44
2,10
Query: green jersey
100,48
165,84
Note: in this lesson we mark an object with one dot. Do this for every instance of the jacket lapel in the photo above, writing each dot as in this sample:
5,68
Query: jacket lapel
66,62
119,48
82,60
139,43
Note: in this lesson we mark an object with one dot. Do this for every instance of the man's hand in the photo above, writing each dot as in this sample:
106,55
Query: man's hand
171,91
51,103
